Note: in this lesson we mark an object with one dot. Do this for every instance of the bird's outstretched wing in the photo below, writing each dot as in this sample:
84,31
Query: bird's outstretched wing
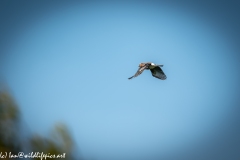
140,70
158,73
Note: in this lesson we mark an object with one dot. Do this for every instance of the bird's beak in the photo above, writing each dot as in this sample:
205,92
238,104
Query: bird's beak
160,65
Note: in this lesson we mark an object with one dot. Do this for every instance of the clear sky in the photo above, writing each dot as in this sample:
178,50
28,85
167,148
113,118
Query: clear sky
70,64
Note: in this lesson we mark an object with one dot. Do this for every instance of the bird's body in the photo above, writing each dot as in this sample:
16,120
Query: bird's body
155,70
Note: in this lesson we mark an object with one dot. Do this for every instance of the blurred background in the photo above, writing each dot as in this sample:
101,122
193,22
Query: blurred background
64,89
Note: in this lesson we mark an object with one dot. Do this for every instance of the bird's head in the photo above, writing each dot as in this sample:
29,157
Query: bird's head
152,64
141,64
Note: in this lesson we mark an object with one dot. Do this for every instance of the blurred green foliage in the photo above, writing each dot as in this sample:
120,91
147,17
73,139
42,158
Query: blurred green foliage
57,143
9,124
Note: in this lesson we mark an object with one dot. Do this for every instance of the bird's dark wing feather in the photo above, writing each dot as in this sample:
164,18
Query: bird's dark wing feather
140,70
158,73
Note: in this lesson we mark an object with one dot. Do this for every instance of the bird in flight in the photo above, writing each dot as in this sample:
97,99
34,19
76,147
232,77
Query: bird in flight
155,69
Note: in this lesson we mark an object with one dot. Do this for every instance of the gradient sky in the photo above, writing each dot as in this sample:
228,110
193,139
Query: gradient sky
69,62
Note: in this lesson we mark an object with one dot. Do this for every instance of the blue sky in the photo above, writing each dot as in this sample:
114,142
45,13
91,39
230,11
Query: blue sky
71,65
